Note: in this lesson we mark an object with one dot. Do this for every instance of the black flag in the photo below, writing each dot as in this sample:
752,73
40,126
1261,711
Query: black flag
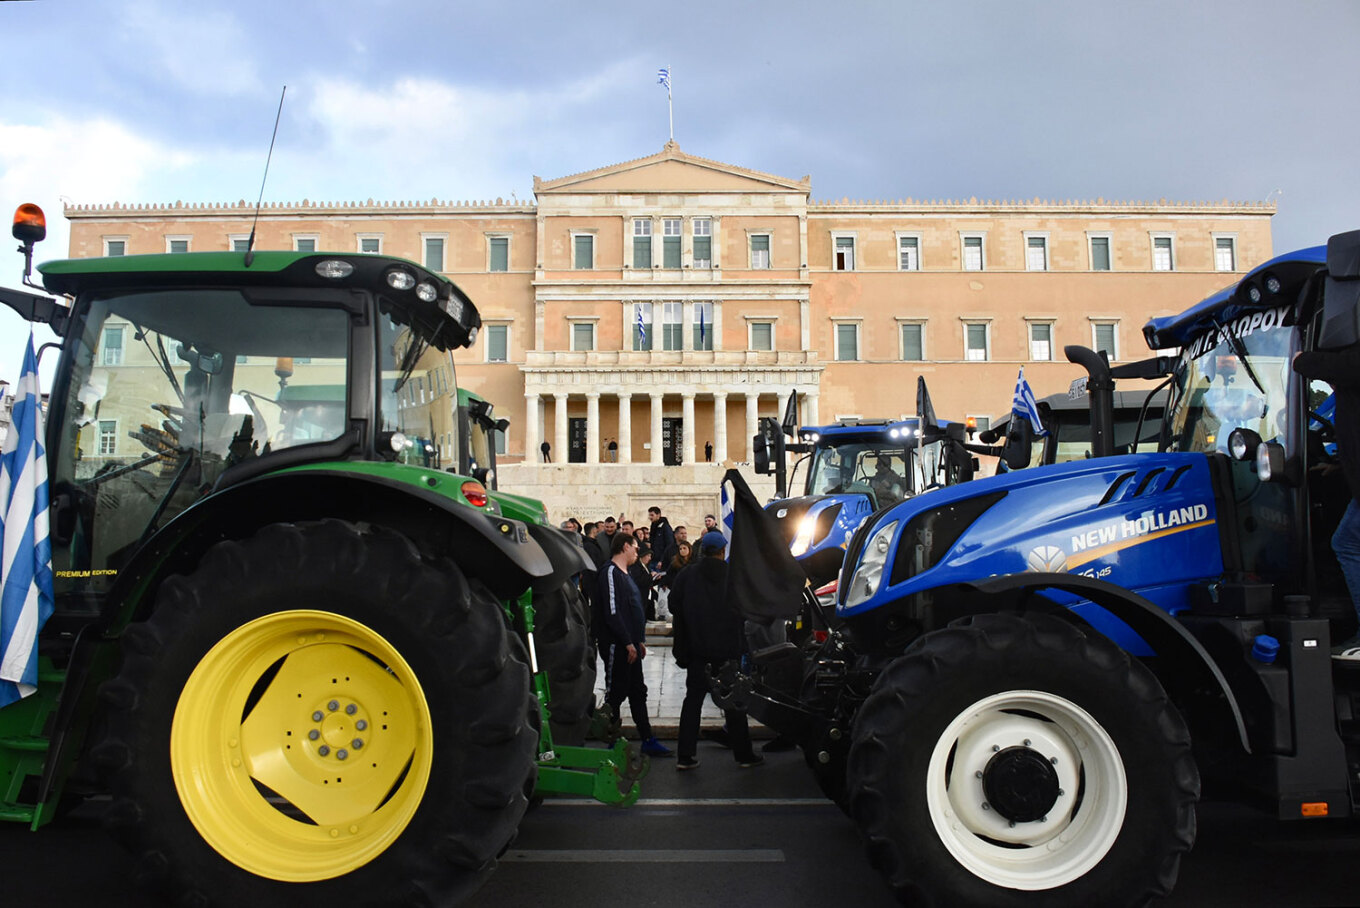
764,581
925,410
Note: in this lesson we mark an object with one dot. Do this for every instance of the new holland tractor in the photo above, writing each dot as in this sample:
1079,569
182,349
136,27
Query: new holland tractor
1032,673
306,664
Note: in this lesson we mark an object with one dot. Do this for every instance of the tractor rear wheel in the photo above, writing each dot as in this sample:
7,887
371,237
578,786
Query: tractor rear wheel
567,654
1014,762
317,714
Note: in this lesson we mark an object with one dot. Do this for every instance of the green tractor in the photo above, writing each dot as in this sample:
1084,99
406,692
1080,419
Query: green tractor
289,647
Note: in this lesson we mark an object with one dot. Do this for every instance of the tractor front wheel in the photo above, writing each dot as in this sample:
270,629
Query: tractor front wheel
1013,762
319,714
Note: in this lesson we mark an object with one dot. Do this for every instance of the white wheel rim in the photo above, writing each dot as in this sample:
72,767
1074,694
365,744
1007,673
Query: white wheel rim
1080,826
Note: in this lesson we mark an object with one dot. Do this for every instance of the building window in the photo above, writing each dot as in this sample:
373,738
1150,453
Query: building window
672,326
499,436
238,242
760,250
642,243
703,326
976,341
703,242
972,252
762,336
1163,254
369,244
1105,337
498,343
582,336
498,252
583,251
115,246
670,242
843,257
108,437
304,244
177,244
434,253
1225,253
1036,252
113,346
642,326
908,252
913,342
1041,341
847,341
981,423
1100,253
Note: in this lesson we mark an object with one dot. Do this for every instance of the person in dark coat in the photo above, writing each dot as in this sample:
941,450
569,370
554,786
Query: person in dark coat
641,573
623,640
660,537
1341,369
707,633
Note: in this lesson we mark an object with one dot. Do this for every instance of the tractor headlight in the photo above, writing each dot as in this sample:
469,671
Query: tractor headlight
802,540
400,279
334,269
869,571
426,292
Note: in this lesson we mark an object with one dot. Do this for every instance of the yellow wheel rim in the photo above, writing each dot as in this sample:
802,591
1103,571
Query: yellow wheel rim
301,746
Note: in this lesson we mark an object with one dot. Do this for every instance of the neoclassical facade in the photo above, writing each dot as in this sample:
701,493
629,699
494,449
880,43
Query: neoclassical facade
641,317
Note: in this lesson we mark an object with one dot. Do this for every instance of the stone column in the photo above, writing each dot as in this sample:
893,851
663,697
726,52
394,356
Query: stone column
531,440
560,448
810,409
719,426
625,428
687,417
593,427
752,420
656,429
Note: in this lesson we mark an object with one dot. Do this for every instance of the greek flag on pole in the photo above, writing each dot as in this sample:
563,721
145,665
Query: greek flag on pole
26,594
726,516
642,329
663,77
703,328
1024,405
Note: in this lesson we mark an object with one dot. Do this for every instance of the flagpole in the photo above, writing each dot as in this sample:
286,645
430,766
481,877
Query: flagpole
670,109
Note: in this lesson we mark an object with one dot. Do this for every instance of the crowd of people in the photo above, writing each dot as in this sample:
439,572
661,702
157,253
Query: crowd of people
652,571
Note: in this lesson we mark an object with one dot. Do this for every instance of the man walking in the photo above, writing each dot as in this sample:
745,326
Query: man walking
622,637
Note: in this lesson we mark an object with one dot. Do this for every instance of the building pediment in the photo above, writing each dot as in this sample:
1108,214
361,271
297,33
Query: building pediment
671,170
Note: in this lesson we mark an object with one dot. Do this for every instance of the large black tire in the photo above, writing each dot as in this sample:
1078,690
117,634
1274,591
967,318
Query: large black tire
415,631
988,739
567,654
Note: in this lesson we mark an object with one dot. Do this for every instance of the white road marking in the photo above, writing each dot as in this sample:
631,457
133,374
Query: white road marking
646,856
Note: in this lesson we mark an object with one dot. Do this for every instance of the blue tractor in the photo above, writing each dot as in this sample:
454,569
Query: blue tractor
855,468
1031,673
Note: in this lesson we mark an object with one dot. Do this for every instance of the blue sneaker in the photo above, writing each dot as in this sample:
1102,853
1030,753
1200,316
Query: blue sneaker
654,748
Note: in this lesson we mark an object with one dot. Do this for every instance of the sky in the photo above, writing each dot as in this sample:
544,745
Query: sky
158,101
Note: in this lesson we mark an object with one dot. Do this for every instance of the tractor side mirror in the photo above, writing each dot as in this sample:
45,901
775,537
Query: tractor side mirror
1019,444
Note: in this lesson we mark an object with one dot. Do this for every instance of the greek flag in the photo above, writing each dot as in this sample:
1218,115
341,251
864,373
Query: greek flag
703,329
26,596
642,330
726,516
1024,405
663,77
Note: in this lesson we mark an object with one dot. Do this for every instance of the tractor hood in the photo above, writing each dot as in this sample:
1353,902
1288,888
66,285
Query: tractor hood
1126,520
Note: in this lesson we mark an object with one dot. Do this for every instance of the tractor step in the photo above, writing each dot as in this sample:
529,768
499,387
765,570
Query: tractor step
13,814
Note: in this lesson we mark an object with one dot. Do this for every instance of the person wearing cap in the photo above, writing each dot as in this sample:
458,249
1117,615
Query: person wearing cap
708,632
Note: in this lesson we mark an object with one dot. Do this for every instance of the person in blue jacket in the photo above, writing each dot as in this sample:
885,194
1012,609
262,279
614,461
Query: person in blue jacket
622,624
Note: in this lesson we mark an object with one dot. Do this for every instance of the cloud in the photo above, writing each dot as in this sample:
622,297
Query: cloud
201,51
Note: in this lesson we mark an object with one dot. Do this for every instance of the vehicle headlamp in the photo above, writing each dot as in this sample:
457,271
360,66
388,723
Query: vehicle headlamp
1243,444
334,269
426,292
802,540
869,572
399,279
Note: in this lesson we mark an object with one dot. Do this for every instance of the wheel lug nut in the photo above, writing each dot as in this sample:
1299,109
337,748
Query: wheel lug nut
323,750
361,724
978,774
341,754
1012,824
996,748
359,743
1053,760
986,806
333,705
313,734
1061,792
1043,819
318,716
351,709
1027,742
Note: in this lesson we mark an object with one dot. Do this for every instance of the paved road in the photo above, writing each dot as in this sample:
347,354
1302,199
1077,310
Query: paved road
723,835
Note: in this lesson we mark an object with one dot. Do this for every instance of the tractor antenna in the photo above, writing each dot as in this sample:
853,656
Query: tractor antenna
250,243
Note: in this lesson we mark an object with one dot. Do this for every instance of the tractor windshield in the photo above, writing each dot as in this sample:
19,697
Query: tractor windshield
167,389
419,397
1235,375
890,472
